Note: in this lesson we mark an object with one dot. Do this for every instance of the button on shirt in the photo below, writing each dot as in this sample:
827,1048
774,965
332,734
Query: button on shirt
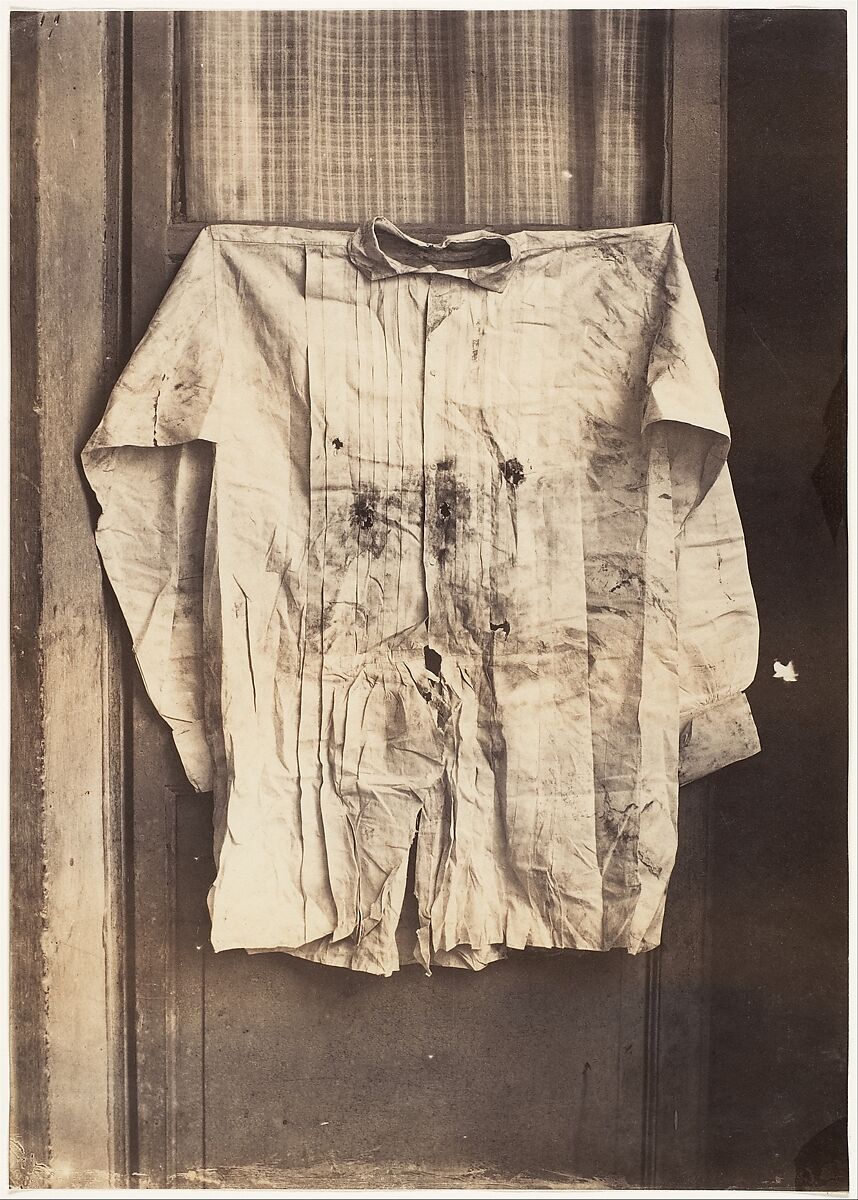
432,541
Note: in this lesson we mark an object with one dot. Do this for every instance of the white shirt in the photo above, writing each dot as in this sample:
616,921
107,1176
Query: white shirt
432,541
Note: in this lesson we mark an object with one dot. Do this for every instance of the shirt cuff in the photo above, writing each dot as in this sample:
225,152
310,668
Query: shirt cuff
715,737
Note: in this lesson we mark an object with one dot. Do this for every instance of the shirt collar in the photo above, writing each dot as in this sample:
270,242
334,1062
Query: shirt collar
404,259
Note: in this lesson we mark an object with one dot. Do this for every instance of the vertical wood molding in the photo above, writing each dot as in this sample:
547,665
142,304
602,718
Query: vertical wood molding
193,868
153,795
67,763
675,1092
72,198
152,140
118,659
696,152
678,1012
29,1117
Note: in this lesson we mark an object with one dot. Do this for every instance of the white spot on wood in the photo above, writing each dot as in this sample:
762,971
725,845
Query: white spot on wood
786,672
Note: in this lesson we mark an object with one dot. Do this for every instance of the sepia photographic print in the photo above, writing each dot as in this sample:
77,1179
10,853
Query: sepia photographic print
429,656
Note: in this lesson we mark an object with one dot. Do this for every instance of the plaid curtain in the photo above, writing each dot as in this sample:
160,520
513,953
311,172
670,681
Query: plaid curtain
429,118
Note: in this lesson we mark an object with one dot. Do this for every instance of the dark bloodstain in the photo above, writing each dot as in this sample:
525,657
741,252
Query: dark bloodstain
513,472
446,464
607,436
619,824
363,512
653,868
439,311
609,252
337,443
368,521
501,627
628,579
453,504
432,660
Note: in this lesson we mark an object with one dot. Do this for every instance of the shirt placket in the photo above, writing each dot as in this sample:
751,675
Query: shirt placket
443,320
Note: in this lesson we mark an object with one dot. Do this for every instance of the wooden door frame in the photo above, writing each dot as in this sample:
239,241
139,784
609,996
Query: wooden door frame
71,1079
128,837
677,1004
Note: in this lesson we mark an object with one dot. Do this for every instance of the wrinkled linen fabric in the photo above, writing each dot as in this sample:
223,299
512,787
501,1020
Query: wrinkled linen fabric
433,541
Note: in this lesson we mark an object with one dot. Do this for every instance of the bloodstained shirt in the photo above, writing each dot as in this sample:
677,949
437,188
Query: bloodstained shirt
432,548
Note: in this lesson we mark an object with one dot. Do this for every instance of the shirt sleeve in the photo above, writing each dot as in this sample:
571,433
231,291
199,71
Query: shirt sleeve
149,463
717,629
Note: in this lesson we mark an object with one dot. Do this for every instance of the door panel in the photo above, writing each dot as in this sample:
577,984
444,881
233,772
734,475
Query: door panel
533,1064
515,1067
590,1064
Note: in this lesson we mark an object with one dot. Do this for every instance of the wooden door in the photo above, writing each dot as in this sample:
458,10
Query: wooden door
583,1064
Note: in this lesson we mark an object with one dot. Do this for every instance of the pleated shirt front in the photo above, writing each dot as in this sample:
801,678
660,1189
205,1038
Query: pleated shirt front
432,541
